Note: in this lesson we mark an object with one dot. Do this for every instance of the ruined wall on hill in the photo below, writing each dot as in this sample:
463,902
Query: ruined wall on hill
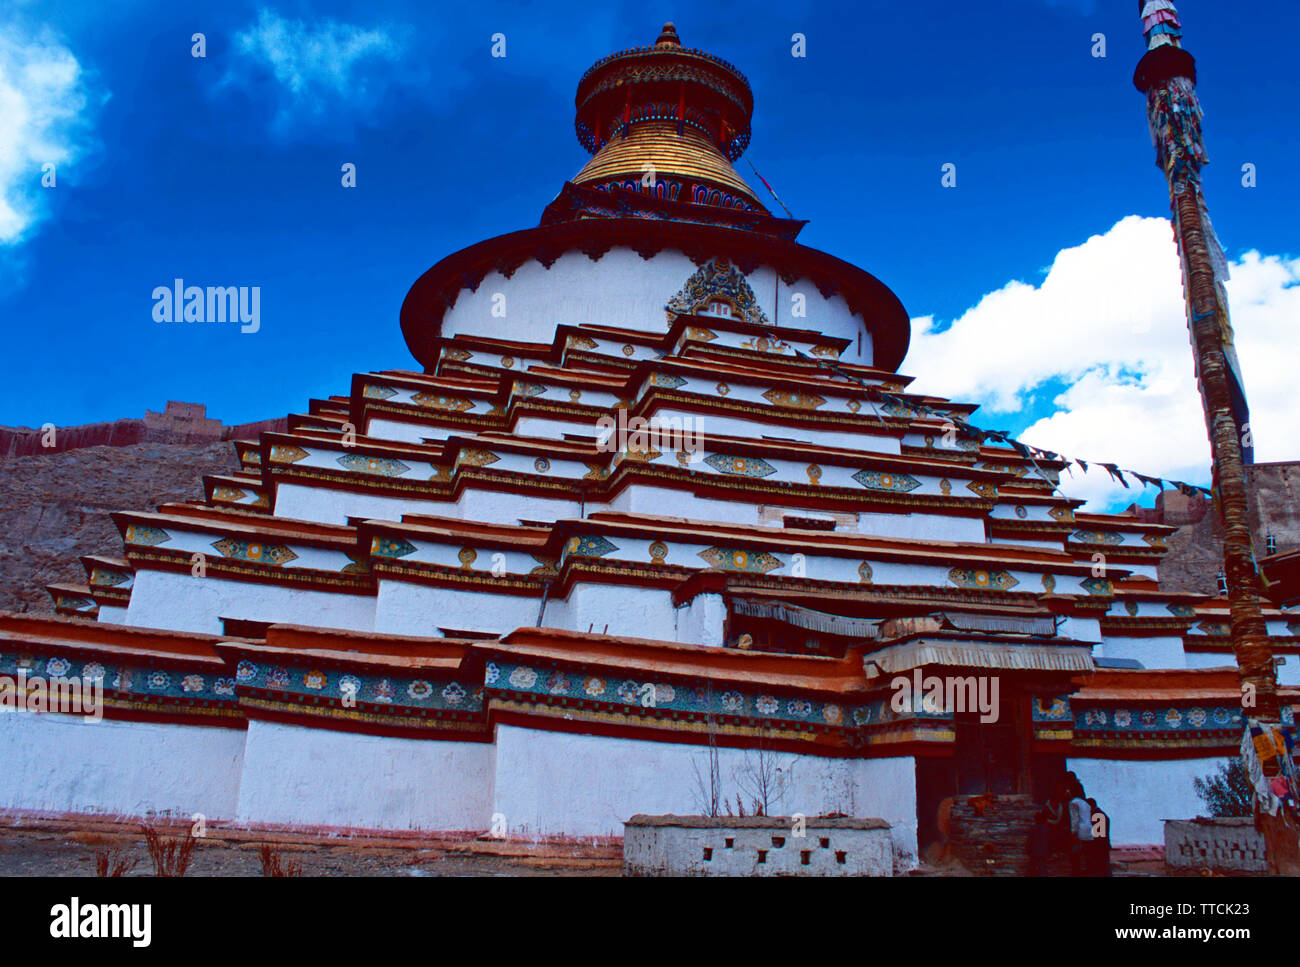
165,427
1196,548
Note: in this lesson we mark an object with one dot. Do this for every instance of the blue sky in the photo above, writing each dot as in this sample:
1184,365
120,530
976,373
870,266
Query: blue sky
225,170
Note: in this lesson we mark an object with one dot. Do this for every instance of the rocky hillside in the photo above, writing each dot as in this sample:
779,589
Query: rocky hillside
54,507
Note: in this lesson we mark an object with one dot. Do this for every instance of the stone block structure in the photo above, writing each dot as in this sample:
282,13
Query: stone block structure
756,846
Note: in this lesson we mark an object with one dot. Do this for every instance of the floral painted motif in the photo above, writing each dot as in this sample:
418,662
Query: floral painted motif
1148,718
1095,716
380,466
590,545
1122,718
159,679
148,536
384,691
390,547
740,466
793,399
491,673
419,690
57,667
277,677
627,692
254,552
1097,586
832,714
287,453
453,693
1196,717
559,684
732,702
441,401
315,680
92,671
767,705
523,678
1109,538
737,559
799,708
980,579
595,687
894,482
1173,718
349,685
224,686
1053,707
192,683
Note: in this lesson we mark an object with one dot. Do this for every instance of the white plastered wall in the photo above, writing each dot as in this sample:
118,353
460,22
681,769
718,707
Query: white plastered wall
66,763
295,775
180,602
419,609
584,785
623,289
1138,795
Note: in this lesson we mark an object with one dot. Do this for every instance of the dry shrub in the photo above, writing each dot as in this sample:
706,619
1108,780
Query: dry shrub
170,857
113,862
271,862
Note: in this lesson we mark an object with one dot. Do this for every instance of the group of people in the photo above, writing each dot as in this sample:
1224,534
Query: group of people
1069,821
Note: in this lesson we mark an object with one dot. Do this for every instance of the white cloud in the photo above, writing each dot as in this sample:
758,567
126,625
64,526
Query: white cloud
322,71
1108,322
44,119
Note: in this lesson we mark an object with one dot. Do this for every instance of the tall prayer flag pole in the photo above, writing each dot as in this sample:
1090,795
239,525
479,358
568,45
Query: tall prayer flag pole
1167,76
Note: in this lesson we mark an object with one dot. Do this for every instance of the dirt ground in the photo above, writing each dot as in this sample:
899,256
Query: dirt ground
67,848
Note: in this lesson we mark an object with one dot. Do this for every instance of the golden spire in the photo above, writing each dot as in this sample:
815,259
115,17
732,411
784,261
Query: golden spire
668,121
668,37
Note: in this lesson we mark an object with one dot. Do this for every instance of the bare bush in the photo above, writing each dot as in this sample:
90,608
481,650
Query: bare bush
113,862
271,862
170,856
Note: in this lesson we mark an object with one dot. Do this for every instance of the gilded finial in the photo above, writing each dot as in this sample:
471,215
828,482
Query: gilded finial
668,36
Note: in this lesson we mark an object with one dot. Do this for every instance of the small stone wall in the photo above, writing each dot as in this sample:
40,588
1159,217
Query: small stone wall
1226,843
989,835
756,846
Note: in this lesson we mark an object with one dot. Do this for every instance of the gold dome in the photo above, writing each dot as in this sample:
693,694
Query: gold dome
689,157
